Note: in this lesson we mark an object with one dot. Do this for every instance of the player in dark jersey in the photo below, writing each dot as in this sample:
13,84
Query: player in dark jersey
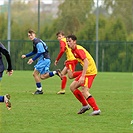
4,51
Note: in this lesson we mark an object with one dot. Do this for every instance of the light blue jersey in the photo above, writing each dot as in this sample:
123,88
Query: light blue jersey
43,64
40,50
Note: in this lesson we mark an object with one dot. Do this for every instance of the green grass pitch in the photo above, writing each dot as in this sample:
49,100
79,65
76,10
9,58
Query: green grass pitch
52,113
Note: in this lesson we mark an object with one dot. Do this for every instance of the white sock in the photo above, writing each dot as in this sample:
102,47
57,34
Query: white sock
39,88
54,72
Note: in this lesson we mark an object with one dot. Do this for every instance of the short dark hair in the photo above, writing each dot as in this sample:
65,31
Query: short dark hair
31,31
73,37
60,32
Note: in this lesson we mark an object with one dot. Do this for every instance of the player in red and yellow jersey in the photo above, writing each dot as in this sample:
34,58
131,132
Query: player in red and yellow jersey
70,62
85,79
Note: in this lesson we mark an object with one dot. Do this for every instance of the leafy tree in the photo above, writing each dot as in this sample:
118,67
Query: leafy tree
121,9
115,30
3,27
72,14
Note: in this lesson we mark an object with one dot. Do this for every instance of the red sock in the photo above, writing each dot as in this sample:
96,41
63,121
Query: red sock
80,97
92,103
63,82
76,73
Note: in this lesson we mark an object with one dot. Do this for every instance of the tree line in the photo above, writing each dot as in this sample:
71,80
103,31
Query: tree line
76,17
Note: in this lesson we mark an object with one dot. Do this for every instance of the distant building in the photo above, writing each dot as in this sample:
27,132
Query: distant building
47,6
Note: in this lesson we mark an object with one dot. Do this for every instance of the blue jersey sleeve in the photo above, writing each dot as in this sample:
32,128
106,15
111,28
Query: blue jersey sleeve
37,56
30,54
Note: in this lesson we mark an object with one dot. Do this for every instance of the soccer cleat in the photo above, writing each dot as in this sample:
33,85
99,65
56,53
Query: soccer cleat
96,112
37,92
84,109
61,92
7,101
58,73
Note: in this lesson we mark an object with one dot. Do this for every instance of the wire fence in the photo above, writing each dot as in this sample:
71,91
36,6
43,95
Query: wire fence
113,56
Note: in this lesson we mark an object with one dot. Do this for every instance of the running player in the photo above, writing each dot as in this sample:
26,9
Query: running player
70,62
41,69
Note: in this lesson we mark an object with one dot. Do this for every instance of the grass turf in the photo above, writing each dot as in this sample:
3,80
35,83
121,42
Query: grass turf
52,113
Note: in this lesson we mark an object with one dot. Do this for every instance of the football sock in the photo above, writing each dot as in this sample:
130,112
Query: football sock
80,97
39,87
1,98
63,82
92,103
76,73
52,73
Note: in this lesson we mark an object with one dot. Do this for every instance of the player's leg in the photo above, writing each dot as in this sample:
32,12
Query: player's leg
73,74
38,82
42,67
6,99
92,102
47,75
71,65
1,74
77,93
63,81
44,70
90,99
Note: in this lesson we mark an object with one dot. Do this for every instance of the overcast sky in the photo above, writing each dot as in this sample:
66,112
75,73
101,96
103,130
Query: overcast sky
45,1
50,1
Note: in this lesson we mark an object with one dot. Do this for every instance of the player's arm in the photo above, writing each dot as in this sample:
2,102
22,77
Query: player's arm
86,63
62,50
40,51
83,57
29,54
8,58
34,58
37,56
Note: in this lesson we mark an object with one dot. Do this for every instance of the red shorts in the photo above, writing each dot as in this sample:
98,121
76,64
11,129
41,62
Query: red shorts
88,80
71,64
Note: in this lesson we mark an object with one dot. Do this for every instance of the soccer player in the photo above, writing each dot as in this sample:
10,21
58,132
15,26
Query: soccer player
70,62
4,51
41,69
85,79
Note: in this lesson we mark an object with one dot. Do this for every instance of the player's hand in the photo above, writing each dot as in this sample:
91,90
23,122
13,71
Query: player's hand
9,72
81,80
56,62
23,56
65,62
30,61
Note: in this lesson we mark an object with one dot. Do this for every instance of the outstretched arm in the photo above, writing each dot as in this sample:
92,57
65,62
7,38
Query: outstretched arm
28,55
62,50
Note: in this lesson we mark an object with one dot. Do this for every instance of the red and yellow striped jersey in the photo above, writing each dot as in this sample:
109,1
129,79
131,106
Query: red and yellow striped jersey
80,54
65,49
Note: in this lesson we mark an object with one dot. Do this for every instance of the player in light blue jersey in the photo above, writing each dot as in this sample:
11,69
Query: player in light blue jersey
41,69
